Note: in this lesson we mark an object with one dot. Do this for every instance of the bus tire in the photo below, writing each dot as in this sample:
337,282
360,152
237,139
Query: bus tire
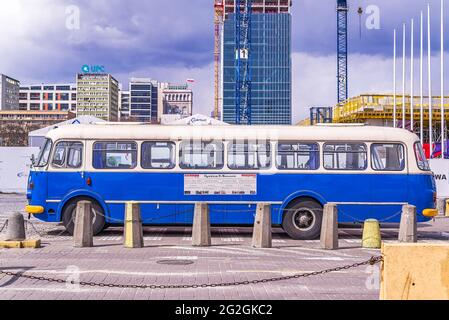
69,213
303,219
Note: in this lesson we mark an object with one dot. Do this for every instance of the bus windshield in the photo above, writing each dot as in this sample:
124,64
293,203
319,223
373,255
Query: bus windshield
44,155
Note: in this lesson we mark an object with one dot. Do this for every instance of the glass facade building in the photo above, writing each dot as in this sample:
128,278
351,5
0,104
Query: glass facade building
270,61
143,100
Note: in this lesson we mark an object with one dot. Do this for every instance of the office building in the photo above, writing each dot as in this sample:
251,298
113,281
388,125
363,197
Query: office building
143,95
98,96
269,60
175,103
9,93
48,97
124,100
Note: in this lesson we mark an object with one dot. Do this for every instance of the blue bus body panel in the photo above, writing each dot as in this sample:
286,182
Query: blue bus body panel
113,189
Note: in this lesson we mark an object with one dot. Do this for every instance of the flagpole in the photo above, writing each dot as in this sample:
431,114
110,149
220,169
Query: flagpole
395,105
442,83
412,58
429,65
421,82
403,76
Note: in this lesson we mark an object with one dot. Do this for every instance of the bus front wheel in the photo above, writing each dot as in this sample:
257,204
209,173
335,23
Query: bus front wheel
69,214
302,220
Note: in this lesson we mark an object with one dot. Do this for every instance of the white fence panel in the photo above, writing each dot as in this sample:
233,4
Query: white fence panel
14,168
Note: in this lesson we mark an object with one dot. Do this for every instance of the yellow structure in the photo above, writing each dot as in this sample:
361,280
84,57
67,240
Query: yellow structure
26,244
371,234
415,272
381,107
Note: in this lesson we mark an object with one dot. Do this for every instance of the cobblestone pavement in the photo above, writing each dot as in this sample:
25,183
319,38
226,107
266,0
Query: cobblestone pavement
231,258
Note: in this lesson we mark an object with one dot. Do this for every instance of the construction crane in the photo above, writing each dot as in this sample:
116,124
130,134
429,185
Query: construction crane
243,12
342,50
218,23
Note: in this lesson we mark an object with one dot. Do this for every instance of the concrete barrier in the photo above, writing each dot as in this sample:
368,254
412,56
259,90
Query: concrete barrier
408,230
415,271
83,234
133,231
447,209
201,232
262,234
371,234
16,235
329,227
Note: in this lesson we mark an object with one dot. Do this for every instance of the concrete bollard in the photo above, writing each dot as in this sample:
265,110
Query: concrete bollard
447,209
201,232
372,238
262,234
133,226
16,228
329,228
408,230
83,234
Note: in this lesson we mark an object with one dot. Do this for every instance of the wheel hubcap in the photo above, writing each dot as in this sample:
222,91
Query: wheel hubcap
304,219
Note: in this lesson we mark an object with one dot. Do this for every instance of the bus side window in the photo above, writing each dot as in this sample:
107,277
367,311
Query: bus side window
115,155
388,157
345,156
297,156
68,155
158,155
249,156
201,155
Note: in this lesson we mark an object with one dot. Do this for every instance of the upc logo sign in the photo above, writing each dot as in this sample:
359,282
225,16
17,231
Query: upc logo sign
92,69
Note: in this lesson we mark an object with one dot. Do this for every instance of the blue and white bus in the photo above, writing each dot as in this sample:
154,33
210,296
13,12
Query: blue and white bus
167,169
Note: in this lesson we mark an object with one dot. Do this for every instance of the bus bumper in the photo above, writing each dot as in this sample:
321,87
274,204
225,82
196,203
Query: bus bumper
430,213
34,209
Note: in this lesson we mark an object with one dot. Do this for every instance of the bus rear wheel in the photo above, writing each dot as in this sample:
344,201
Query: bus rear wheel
69,214
302,220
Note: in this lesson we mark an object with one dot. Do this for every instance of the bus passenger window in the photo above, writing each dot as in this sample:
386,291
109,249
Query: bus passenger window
201,155
249,156
115,155
345,156
388,157
158,155
68,155
422,162
298,156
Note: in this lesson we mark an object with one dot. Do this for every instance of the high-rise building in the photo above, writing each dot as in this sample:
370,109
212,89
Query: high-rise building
97,95
124,99
9,93
143,106
48,97
175,102
270,62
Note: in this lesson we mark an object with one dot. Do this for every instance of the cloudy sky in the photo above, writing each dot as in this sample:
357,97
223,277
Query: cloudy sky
172,40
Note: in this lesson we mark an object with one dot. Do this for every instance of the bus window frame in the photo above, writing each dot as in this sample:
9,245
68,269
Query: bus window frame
137,150
179,154
174,149
298,142
428,169
66,168
368,157
50,154
389,143
228,150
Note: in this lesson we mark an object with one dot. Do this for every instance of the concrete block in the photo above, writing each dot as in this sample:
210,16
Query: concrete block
408,230
329,228
31,244
412,271
372,238
16,228
447,209
83,234
262,234
201,233
133,226
10,244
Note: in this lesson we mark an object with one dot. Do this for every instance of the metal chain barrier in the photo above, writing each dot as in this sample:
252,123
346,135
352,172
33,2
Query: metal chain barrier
372,261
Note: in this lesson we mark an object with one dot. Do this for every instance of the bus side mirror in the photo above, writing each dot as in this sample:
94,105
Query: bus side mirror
33,160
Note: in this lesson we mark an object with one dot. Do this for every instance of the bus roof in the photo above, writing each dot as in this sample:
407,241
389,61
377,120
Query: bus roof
294,133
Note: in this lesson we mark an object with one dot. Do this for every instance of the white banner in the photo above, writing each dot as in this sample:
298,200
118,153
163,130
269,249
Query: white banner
440,169
15,168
